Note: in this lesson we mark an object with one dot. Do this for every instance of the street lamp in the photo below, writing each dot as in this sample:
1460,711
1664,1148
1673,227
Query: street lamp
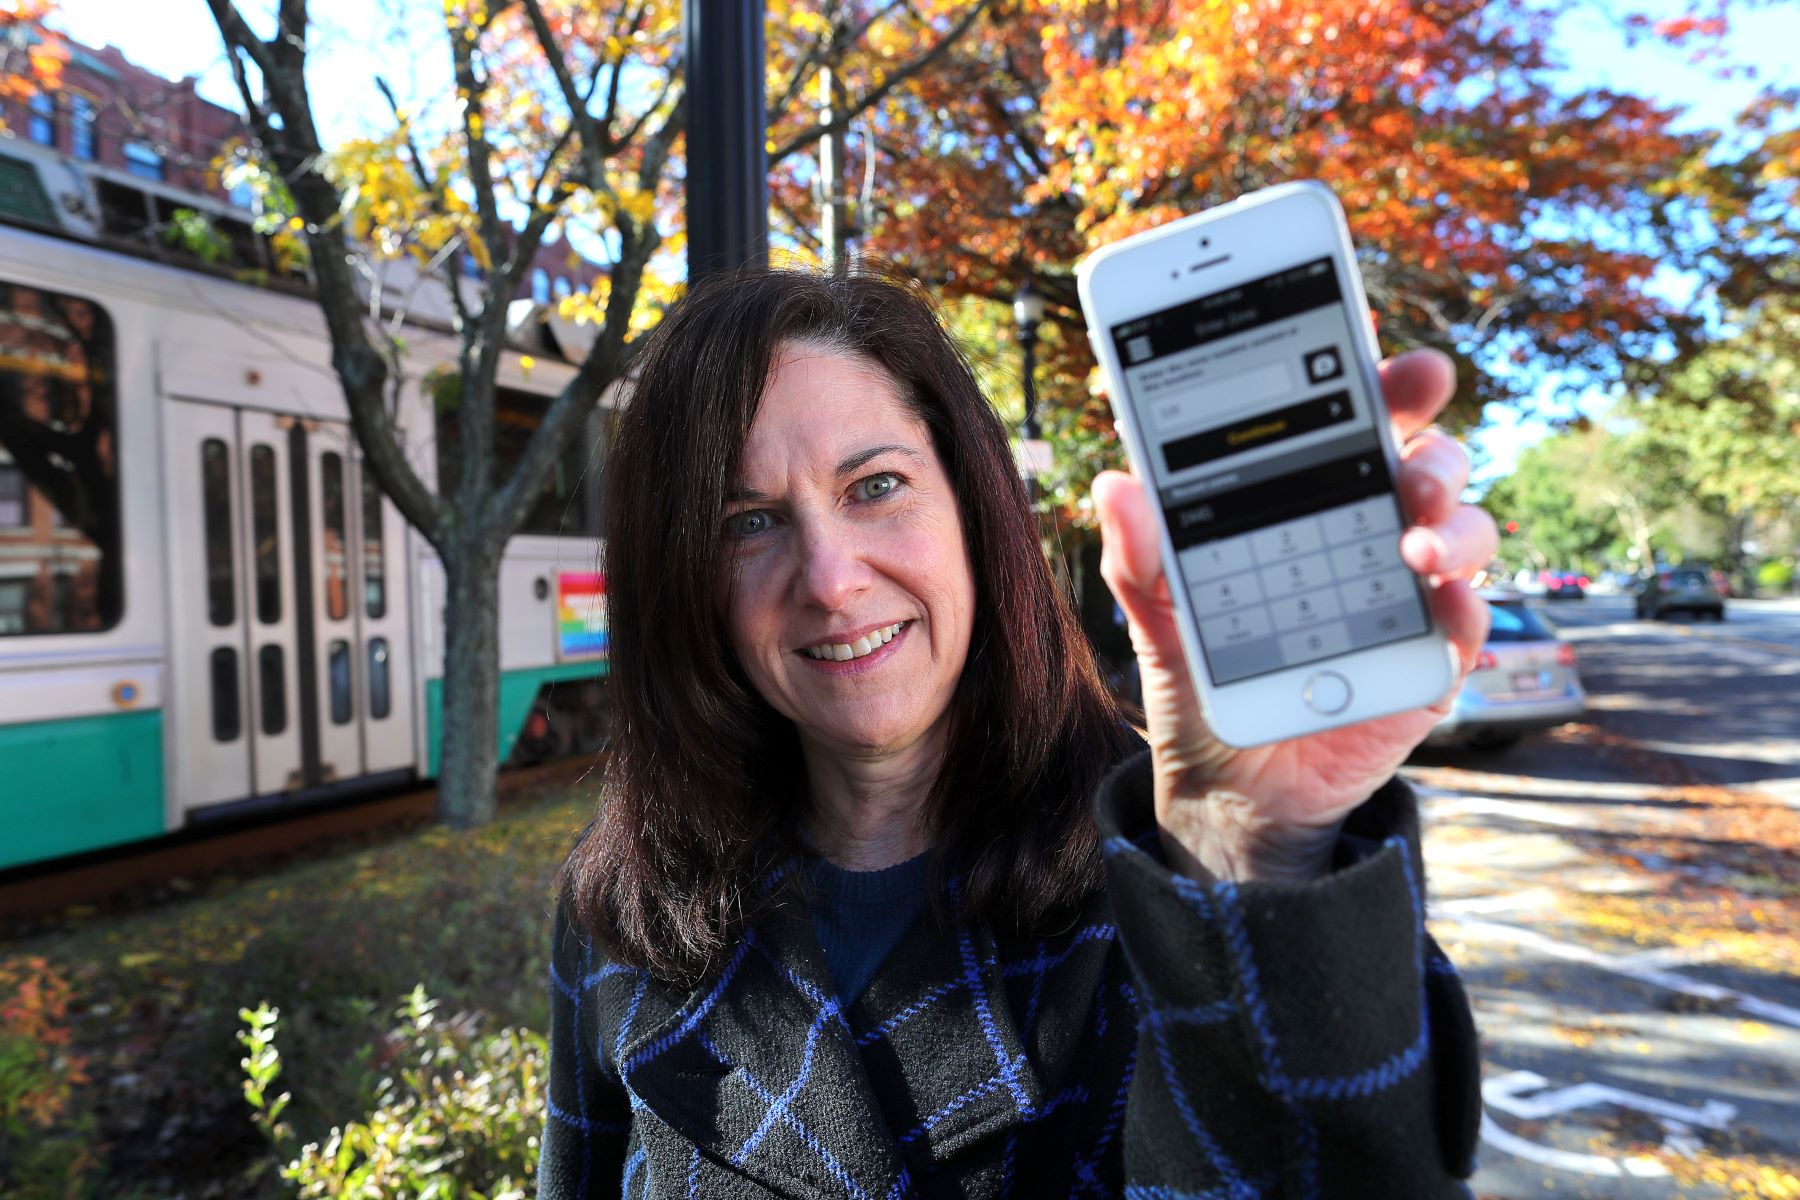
1028,314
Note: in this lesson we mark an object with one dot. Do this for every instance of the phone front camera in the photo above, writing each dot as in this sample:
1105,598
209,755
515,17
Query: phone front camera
1205,242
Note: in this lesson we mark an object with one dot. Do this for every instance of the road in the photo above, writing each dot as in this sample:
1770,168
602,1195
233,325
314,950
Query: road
1623,897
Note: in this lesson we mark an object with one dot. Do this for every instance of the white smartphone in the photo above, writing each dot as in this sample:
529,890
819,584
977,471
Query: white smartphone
1241,364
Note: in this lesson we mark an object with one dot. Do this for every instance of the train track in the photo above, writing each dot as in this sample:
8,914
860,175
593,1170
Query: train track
150,871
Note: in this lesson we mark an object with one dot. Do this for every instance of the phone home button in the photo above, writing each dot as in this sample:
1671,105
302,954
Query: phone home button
1327,693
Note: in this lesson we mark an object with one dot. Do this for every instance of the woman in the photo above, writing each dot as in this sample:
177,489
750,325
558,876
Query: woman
884,898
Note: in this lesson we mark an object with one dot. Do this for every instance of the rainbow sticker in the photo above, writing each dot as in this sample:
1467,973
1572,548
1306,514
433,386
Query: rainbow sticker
580,615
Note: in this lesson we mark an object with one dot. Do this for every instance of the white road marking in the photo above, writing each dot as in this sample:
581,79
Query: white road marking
1567,1160
1628,966
1503,1092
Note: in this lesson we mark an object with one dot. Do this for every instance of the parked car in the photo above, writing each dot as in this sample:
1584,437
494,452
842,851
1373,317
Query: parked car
1680,589
1526,679
1564,585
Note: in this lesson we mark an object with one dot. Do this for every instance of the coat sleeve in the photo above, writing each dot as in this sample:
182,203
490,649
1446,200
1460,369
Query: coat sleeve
1294,1040
588,1116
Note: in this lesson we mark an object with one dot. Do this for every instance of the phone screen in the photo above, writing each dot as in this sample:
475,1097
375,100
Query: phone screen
1266,461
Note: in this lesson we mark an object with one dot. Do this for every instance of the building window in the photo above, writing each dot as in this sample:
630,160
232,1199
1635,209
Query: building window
59,453
15,597
12,496
142,160
83,116
43,119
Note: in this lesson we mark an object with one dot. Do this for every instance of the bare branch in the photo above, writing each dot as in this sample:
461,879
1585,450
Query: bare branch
294,151
596,143
850,112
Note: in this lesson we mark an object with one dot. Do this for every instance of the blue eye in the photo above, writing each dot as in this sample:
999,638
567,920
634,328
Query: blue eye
877,487
747,524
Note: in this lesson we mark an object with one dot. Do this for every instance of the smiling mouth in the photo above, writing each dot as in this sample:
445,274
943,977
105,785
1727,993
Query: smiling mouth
868,643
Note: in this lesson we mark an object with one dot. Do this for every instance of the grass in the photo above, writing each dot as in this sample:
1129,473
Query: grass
335,942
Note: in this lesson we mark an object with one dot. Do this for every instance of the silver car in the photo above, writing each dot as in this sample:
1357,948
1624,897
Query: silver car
1525,680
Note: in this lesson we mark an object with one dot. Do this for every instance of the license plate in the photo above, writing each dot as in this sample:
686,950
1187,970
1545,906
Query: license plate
1528,681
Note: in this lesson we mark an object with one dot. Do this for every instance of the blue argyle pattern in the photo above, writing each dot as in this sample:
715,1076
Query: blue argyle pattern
1173,1042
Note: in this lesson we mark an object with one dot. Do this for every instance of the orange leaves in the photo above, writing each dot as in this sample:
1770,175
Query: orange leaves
37,1074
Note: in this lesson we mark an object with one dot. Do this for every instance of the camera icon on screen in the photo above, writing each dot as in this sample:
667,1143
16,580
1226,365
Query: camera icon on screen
1324,364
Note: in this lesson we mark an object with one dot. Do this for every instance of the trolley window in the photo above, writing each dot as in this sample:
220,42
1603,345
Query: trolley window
380,692
569,502
227,705
337,559
374,562
215,516
337,668
62,567
271,689
265,529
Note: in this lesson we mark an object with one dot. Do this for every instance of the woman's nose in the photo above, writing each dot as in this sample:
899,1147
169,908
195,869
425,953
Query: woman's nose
832,565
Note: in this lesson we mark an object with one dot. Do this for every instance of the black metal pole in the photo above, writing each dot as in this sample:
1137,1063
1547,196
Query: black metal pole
1028,339
727,162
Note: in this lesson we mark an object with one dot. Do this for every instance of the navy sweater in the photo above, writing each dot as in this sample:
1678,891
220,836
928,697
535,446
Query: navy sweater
860,916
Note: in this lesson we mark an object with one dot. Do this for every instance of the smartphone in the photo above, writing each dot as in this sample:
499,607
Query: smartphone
1241,364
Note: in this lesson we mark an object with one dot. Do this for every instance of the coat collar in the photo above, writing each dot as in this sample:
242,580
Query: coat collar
761,1068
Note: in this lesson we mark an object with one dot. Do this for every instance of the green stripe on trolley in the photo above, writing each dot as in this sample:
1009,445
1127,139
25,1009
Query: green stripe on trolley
517,690
79,784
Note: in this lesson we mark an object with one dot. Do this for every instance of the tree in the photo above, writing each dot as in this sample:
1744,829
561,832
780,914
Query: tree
1499,214
31,57
568,115
586,141
1730,417
1562,524
838,61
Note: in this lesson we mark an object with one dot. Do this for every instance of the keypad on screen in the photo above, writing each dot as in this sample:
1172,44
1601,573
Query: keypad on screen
1303,590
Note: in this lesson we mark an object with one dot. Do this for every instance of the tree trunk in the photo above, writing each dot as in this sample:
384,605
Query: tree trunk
469,761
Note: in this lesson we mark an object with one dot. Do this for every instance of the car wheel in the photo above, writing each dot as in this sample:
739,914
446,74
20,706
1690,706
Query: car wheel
1719,614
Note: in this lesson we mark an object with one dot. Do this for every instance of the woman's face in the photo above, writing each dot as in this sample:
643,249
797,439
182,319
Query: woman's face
850,600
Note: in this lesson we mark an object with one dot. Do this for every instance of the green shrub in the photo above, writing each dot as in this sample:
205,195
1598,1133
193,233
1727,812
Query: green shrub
458,1119
1776,575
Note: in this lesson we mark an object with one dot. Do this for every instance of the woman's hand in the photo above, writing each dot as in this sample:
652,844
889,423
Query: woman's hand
1273,812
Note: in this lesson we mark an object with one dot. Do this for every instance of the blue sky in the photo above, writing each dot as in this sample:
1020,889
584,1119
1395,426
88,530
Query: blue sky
364,38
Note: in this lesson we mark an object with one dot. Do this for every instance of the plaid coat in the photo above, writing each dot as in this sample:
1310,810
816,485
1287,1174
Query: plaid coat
1175,1041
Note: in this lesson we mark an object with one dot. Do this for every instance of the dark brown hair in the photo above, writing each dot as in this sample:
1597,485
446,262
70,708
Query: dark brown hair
701,797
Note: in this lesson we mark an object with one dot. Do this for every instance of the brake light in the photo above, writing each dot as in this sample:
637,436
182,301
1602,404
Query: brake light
1582,581
1565,655
1485,661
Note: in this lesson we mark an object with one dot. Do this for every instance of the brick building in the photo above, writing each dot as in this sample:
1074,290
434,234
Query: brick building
118,116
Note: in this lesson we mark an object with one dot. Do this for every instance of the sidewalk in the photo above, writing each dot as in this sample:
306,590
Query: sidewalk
1633,953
